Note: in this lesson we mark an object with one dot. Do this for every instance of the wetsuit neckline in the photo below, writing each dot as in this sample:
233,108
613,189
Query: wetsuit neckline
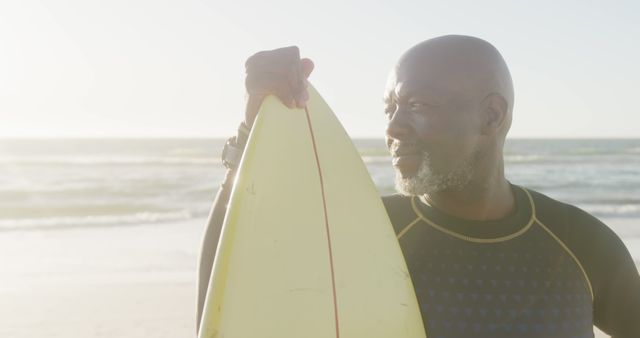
489,231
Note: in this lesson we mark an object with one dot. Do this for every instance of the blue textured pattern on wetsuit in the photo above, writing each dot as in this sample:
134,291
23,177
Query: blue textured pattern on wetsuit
524,287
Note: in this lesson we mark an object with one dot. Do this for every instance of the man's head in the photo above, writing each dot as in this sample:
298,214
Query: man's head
449,101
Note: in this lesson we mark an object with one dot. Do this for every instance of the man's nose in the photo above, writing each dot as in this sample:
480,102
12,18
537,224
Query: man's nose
399,126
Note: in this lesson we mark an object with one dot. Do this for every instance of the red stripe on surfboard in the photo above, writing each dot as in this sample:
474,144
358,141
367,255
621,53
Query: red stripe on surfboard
326,223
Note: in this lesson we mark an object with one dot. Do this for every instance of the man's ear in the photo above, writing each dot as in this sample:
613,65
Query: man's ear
495,113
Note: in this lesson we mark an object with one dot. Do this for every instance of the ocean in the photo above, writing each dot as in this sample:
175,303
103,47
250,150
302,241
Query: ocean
59,183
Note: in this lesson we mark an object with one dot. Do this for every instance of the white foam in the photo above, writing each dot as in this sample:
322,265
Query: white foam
93,220
101,160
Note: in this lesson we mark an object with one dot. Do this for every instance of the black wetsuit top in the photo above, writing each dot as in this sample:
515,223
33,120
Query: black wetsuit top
547,270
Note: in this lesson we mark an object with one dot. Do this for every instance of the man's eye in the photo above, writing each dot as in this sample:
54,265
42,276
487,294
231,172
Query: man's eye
417,106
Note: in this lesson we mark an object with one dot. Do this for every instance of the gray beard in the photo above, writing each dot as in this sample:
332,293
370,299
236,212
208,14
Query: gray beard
427,181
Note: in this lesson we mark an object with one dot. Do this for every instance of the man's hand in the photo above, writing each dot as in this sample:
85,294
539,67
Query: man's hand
278,72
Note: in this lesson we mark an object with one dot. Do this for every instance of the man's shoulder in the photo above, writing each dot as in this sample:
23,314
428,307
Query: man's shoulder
394,199
551,211
400,210
576,228
397,203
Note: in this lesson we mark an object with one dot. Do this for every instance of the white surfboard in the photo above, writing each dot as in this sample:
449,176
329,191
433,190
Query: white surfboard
307,249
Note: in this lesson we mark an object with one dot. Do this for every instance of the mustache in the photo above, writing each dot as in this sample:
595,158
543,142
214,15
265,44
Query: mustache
400,148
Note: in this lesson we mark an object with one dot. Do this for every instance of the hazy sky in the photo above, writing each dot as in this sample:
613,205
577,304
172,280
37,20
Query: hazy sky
175,68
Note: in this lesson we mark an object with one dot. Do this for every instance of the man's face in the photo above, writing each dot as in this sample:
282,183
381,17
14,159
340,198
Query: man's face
433,132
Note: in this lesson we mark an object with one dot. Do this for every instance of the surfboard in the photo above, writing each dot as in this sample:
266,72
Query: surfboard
307,249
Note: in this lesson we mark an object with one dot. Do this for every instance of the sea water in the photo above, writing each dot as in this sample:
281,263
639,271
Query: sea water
60,183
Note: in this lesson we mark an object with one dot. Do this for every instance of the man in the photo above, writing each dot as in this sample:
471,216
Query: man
487,258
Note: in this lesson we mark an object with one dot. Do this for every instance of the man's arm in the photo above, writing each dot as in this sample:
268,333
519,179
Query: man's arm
616,305
608,265
210,242
611,271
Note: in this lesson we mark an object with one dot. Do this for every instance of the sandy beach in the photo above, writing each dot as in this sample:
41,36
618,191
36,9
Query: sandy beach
127,282
136,281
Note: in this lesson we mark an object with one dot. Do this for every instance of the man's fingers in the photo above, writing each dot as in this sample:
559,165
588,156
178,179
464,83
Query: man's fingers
279,72
307,67
299,83
266,83
287,98
301,100
277,60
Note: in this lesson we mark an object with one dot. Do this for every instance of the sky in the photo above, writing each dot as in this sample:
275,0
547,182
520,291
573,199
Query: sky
138,68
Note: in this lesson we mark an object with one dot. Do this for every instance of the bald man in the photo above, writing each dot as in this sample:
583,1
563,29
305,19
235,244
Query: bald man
487,258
